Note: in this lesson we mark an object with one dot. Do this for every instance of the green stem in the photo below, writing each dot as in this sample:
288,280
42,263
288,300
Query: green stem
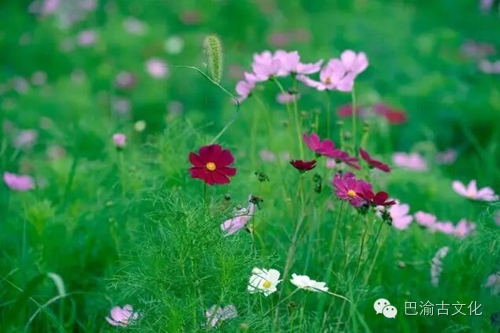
354,121
361,247
328,114
373,245
298,122
71,178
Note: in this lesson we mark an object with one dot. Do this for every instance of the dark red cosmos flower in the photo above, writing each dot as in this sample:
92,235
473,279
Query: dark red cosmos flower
373,163
314,143
342,156
303,166
375,199
212,165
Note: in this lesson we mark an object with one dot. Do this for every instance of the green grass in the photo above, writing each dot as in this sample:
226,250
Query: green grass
110,227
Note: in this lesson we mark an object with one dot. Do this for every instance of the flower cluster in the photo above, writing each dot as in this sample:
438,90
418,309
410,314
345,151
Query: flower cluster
338,74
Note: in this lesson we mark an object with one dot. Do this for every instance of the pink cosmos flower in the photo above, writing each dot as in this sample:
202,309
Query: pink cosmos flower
464,228
26,139
330,163
437,265
355,63
122,317
240,219
325,147
400,218
347,188
472,192
332,77
120,140
18,182
157,68
413,161
125,80
444,227
446,157
493,282
285,98
425,219
87,37
244,89
222,313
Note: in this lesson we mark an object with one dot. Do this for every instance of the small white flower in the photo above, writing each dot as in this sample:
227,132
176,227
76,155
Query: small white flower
264,281
305,282
140,126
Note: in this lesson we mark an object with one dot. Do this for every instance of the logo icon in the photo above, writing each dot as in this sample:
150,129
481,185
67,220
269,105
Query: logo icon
384,307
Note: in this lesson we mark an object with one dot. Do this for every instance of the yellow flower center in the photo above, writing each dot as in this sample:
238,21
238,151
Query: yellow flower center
328,80
210,166
266,284
351,193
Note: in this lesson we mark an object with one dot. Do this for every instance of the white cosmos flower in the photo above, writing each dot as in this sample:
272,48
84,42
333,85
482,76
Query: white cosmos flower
264,281
305,282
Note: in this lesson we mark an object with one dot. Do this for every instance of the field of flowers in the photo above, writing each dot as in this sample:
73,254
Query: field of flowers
250,166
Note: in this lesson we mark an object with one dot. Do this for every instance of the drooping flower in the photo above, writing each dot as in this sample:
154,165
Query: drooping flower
305,282
18,182
400,218
437,265
493,283
341,156
120,140
157,68
303,166
472,192
380,198
325,147
264,281
425,219
122,317
240,219
347,188
372,162
212,165
223,313
413,161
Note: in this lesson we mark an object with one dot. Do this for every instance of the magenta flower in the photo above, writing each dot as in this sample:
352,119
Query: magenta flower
157,68
325,147
122,317
240,219
413,161
342,156
373,162
347,188
400,218
472,192
391,115
18,182
437,265
425,219
120,140
222,313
